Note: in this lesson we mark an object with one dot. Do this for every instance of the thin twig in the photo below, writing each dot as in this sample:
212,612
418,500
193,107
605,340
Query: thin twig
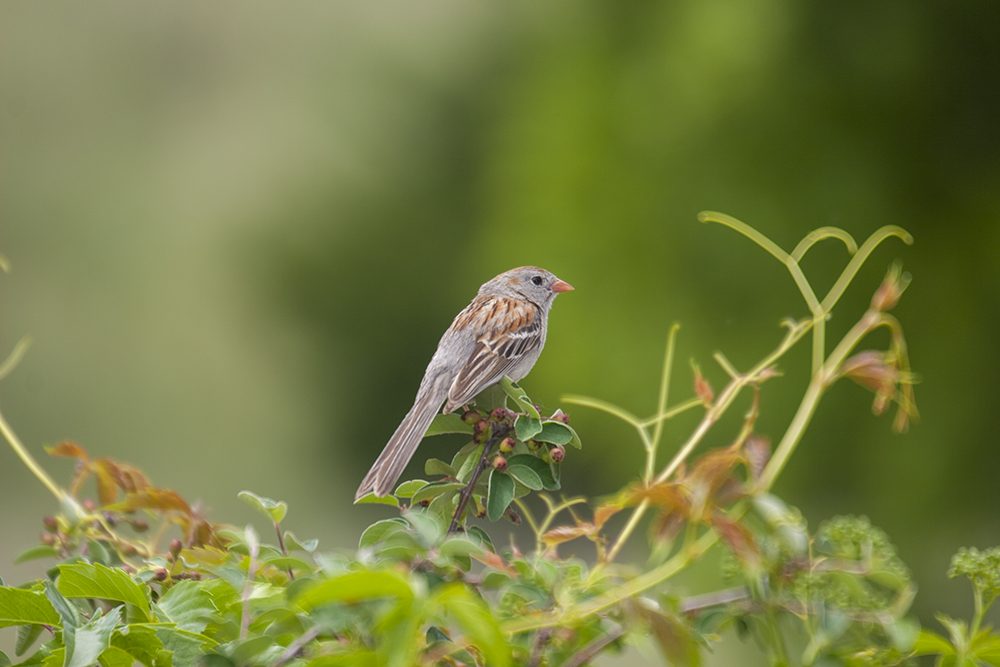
293,649
588,652
541,639
281,545
499,433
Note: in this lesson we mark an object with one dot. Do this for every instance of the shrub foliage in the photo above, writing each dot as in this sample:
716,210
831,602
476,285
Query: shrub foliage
140,576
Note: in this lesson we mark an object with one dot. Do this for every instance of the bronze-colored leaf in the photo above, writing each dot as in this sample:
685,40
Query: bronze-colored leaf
737,538
68,449
567,533
107,485
152,499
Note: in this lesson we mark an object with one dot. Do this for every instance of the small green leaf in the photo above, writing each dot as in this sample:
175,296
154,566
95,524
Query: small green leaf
20,607
86,643
500,493
526,428
477,533
543,470
408,488
379,530
372,499
438,467
931,643
273,509
26,636
466,460
295,544
83,580
520,397
116,657
4,660
476,621
432,491
356,587
34,553
526,476
449,423
188,605
556,433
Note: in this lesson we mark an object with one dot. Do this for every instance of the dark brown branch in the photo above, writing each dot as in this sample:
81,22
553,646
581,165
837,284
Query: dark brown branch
500,432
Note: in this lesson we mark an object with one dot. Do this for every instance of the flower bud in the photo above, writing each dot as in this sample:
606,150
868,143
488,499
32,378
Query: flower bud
499,463
160,574
501,414
175,548
507,445
702,389
557,454
533,445
560,416
48,539
893,285
50,524
139,525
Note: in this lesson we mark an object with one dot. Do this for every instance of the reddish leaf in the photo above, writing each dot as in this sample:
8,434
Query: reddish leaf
107,486
567,533
68,449
737,538
152,499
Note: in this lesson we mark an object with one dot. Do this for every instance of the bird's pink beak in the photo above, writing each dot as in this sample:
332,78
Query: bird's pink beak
561,286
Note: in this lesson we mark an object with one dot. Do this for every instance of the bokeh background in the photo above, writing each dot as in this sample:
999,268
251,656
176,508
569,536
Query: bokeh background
237,232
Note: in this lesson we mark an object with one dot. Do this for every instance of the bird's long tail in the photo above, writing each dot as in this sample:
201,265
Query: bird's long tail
401,446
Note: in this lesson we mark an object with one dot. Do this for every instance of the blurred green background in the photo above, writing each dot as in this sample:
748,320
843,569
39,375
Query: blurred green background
237,232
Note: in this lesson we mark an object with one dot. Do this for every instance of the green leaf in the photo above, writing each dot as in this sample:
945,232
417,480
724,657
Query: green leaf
520,397
21,607
540,468
379,530
293,543
557,433
500,493
476,622
87,642
141,642
188,605
432,491
273,509
34,553
931,643
477,533
438,467
526,476
356,587
408,488
83,580
372,499
115,657
26,636
526,428
4,660
449,423
466,460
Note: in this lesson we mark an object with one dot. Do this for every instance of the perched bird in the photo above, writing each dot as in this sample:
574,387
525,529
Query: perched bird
500,333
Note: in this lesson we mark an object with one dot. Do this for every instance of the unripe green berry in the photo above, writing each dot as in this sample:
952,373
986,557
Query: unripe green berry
499,463
471,417
507,445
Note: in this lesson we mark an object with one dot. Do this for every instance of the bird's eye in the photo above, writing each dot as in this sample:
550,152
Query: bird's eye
537,280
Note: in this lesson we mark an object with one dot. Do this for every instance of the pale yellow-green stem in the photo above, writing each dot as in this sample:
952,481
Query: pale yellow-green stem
29,461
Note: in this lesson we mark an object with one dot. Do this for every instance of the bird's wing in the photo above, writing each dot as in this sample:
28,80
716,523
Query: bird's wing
511,329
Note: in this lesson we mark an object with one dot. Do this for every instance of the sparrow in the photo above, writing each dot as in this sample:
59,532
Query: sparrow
500,333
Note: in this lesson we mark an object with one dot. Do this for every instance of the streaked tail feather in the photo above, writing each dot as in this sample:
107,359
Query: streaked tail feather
400,448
